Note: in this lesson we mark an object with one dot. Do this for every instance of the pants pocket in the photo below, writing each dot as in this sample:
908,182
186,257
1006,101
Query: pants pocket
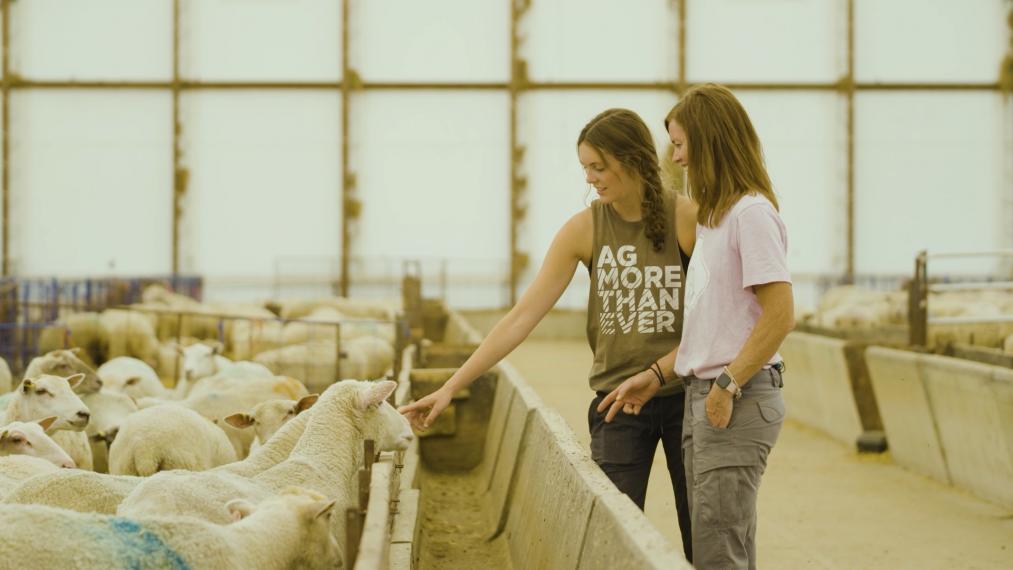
772,410
725,496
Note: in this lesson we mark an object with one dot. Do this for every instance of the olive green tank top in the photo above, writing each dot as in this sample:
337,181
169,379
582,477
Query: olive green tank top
634,312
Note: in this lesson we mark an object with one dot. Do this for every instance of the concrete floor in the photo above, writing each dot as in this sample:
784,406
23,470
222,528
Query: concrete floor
821,504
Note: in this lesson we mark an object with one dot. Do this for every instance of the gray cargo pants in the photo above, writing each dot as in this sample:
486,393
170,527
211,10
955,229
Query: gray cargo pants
724,467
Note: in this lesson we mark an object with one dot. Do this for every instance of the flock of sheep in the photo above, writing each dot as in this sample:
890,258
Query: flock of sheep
238,465
857,309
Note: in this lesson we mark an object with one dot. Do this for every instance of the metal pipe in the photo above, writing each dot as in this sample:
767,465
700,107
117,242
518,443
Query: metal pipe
681,86
973,286
987,253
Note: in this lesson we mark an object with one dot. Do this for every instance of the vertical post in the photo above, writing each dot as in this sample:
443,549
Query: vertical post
518,82
918,299
5,6
353,534
179,178
849,85
337,355
681,86
347,179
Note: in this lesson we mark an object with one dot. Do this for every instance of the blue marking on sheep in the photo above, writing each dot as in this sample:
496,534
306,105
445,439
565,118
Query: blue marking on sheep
143,548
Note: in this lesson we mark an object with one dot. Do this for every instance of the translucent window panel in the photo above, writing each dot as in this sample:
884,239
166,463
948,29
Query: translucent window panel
433,170
91,182
265,179
765,40
953,40
93,40
549,123
932,171
601,40
438,40
261,40
804,143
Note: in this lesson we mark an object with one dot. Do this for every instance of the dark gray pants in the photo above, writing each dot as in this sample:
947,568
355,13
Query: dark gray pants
624,449
724,467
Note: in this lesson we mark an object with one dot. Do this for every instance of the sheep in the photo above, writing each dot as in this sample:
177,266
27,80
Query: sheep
307,329
314,362
267,417
16,469
85,491
65,363
133,377
129,333
5,377
76,330
168,437
45,396
356,308
249,337
29,438
108,410
325,458
286,531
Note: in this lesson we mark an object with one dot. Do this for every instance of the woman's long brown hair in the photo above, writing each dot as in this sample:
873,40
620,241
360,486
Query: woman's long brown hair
624,135
723,151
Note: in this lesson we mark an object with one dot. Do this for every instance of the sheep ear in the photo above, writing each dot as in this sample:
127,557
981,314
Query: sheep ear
240,420
133,380
4,436
376,393
239,509
78,351
216,347
46,423
75,380
306,402
324,509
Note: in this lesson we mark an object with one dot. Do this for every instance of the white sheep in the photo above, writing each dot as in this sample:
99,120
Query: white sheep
326,458
168,437
15,470
267,417
38,398
29,438
108,410
5,377
76,330
129,333
133,377
65,363
287,531
315,362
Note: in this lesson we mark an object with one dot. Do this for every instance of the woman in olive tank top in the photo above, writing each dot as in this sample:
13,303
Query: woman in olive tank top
632,245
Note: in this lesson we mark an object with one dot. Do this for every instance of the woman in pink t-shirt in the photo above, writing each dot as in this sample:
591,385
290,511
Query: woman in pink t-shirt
738,310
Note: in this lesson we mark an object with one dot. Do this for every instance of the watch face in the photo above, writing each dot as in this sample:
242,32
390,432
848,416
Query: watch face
723,381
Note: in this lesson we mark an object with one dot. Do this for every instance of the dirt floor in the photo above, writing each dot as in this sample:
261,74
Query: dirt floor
821,505
454,526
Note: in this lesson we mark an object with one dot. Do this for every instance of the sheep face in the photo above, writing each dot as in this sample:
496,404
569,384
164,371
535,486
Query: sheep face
66,363
306,510
382,422
199,360
53,396
29,438
266,418
108,410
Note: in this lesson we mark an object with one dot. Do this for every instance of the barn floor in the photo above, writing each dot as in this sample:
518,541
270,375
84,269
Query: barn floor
822,505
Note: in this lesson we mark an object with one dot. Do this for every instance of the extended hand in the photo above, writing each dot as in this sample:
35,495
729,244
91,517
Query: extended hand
630,396
718,407
429,408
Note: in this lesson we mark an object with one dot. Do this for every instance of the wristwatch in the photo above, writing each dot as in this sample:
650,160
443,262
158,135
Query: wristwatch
726,382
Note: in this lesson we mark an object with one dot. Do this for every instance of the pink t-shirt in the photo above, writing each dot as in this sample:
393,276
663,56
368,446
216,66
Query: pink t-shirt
749,247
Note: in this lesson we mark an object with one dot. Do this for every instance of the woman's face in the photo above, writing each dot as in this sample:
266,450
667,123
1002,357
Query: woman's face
608,178
678,138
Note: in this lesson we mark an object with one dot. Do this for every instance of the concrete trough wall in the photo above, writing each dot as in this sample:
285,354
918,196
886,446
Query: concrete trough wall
556,507
818,386
948,418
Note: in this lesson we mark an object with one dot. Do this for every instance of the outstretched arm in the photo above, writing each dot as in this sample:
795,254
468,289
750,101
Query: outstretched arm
571,244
